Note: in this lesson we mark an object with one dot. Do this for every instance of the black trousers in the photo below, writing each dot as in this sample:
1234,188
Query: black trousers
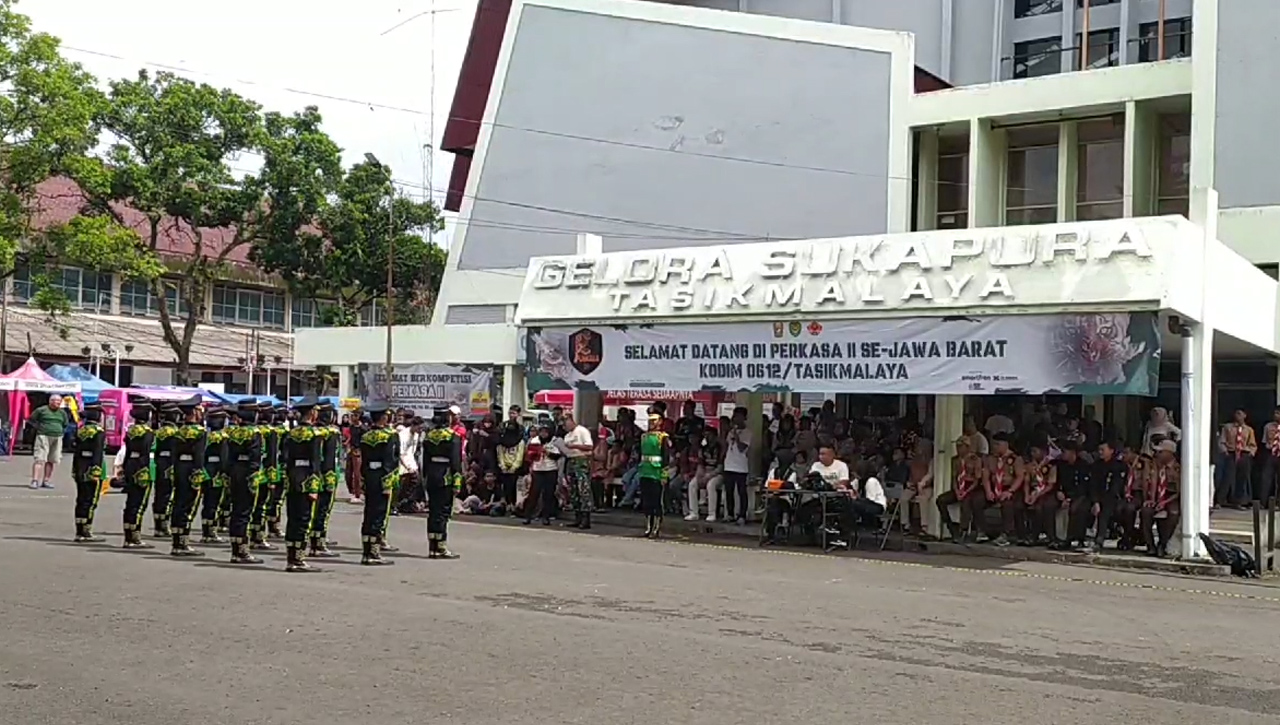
508,483
1164,528
860,511
544,488
212,501
275,502
242,492
261,502
1265,486
439,507
299,507
320,518
135,499
944,501
1013,518
377,509
88,491
163,489
1126,516
1042,517
735,490
651,496
1236,486
185,497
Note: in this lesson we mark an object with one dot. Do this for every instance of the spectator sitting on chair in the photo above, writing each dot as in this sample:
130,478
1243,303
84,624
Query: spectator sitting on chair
49,421
869,500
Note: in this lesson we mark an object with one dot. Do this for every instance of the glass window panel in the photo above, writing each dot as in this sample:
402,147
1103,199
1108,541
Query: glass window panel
953,220
1031,215
1100,210
1100,166
1177,40
953,186
1032,170
1035,58
1104,49
1174,206
1030,8
248,307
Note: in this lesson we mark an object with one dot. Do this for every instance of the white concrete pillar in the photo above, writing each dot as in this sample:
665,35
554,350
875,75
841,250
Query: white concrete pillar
589,245
948,425
346,381
1141,147
588,408
1197,438
986,174
514,390
1068,170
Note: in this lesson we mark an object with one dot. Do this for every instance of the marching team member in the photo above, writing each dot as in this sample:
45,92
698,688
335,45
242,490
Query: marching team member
379,459
214,465
87,471
274,466
655,449
162,505
189,475
330,443
442,464
301,446
244,479
136,470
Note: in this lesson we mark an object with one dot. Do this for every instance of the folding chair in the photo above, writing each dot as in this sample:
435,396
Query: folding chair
890,515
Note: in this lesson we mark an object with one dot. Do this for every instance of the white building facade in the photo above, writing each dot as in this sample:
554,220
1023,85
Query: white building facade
667,126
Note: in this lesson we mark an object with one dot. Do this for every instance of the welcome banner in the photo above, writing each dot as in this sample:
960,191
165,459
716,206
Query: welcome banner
1094,354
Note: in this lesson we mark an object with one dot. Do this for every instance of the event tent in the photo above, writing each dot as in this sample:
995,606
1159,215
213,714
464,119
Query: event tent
90,384
29,378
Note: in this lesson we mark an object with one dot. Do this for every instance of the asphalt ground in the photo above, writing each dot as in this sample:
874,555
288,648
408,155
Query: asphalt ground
540,625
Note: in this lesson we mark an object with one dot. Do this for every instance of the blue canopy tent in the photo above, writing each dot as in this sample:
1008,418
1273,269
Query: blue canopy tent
90,384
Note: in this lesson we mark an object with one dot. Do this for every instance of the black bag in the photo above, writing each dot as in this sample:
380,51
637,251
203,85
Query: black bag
1224,553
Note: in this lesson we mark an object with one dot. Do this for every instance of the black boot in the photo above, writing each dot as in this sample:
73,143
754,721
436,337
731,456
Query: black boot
273,530
373,555
258,541
162,529
586,522
320,549
84,534
297,561
182,546
133,539
577,520
648,527
240,554
209,534
657,527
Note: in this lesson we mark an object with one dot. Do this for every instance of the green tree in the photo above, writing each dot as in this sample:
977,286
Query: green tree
343,256
47,128
173,144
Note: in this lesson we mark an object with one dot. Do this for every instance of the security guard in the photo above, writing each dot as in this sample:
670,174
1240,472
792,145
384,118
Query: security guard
162,506
215,457
87,471
330,442
273,459
245,484
379,458
442,474
189,474
138,470
302,451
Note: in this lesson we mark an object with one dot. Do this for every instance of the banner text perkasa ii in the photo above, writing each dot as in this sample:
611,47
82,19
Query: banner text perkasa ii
977,267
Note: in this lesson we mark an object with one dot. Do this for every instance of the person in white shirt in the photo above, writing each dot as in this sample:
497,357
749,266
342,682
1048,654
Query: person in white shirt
577,471
868,499
737,465
544,464
999,423
410,436
833,470
978,443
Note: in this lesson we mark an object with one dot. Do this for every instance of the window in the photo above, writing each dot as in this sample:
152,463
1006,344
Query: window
373,315
136,298
249,307
1031,176
1177,40
1173,174
84,289
1100,170
1103,50
308,313
1036,58
1031,8
953,183
1097,3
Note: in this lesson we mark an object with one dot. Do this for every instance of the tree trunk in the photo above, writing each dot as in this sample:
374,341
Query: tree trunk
182,372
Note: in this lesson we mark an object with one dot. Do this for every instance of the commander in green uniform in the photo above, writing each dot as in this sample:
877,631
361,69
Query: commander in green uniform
655,448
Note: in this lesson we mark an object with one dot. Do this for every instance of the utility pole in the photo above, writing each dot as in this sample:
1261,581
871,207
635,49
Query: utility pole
4,324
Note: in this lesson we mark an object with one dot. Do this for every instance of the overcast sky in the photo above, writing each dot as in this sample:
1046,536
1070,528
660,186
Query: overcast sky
286,54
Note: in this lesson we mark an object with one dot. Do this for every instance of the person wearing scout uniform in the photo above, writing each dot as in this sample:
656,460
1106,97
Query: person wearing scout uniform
379,458
138,470
655,447
87,471
302,453
189,475
245,483
331,443
215,457
1160,507
162,505
442,474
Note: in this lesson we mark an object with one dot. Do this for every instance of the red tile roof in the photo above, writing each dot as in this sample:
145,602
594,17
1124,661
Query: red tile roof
476,76
59,199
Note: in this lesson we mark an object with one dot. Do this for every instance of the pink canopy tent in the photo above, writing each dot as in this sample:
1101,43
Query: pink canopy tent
29,378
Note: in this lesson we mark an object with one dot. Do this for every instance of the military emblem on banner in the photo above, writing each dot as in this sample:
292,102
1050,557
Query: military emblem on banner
815,328
779,329
794,327
586,350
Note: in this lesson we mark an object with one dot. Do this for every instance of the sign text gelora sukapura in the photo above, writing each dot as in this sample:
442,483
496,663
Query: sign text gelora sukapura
914,269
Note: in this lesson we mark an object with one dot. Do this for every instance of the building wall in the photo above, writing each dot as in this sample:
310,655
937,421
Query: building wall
1246,154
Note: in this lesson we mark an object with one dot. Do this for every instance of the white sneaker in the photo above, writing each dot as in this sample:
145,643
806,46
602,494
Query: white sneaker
742,521
711,519
356,499
691,517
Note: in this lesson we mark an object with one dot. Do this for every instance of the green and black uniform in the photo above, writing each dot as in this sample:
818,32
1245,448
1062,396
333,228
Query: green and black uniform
379,461
138,473
162,504
441,476
302,450
87,470
215,490
189,476
330,441
652,473
245,484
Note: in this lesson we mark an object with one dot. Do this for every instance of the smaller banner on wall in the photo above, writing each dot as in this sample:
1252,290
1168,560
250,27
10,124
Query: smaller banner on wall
1094,354
427,387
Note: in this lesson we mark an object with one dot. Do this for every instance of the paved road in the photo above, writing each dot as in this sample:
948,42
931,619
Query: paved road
543,626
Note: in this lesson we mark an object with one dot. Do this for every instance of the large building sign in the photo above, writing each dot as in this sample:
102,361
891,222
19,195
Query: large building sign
1116,261
1091,354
